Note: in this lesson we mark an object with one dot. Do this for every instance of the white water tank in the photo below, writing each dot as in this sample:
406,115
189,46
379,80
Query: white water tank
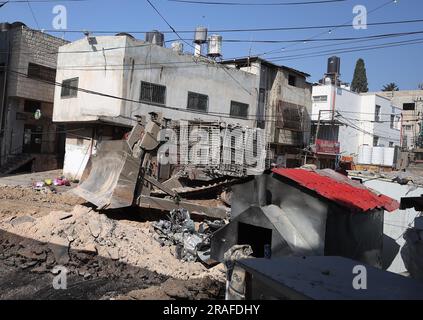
388,157
365,155
215,46
200,35
377,156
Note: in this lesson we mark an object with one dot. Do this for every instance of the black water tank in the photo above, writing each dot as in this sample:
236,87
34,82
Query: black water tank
17,24
5,26
334,65
155,37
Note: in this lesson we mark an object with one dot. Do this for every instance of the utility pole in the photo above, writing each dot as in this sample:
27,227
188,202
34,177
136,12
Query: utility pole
318,127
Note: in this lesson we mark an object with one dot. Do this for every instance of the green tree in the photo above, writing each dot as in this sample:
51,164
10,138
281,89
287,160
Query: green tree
390,87
359,83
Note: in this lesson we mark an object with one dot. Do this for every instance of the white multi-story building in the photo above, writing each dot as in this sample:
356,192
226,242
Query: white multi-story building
356,125
107,81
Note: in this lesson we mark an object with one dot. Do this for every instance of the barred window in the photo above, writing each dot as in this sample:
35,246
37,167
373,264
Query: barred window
153,93
37,71
409,106
197,101
239,109
70,88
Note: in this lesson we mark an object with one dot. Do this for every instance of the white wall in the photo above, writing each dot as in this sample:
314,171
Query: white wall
151,63
397,222
80,59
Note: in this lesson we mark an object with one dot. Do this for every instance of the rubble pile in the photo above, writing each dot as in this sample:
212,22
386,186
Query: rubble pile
91,245
192,243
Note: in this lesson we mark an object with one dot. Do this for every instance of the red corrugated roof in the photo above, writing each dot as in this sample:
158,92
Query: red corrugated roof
339,191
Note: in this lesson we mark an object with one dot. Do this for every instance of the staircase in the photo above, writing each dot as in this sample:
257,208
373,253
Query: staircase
15,162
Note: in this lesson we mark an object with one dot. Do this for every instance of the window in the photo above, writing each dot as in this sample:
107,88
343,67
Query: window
409,106
320,98
239,109
292,80
70,88
153,93
392,121
375,141
197,101
31,106
377,113
408,127
391,144
37,71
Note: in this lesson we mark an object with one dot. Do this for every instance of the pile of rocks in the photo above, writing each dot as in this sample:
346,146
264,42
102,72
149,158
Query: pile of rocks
92,245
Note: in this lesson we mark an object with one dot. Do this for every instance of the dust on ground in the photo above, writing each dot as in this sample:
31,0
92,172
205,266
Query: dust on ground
106,258
21,201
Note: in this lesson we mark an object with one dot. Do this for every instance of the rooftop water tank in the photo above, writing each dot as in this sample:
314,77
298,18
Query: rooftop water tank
200,36
215,46
334,65
5,26
365,155
155,37
125,34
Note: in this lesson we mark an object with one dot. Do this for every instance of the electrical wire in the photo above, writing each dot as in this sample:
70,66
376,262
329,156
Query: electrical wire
261,4
240,30
349,21
33,14
169,25
368,48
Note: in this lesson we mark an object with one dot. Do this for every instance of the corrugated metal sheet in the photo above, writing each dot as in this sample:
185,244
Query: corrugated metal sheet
339,191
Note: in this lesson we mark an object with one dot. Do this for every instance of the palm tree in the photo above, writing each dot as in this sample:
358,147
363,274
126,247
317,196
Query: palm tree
390,87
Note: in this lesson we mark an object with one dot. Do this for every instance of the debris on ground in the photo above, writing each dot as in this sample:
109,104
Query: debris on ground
22,201
192,244
174,289
50,184
91,245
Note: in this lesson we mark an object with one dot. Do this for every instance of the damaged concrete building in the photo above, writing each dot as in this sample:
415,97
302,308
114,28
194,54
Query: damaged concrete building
107,81
284,108
28,136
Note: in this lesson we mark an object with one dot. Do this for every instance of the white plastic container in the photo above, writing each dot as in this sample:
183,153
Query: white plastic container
388,157
365,155
377,156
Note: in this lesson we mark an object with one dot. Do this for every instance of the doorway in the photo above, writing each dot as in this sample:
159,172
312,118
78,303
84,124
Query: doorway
254,236
32,139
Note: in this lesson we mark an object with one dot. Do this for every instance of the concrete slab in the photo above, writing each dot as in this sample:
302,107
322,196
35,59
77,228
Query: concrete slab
329,278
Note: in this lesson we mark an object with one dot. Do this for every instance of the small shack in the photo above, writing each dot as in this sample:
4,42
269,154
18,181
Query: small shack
299,212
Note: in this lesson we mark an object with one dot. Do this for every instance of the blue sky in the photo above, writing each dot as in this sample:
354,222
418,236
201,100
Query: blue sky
403,65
